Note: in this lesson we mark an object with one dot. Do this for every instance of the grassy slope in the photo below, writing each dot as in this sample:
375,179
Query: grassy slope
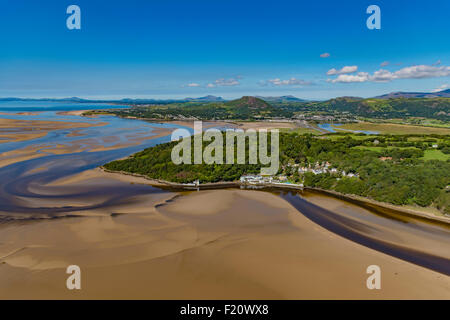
437,108
435,155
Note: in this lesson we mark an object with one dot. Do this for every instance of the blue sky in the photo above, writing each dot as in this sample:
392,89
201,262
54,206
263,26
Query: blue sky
228,48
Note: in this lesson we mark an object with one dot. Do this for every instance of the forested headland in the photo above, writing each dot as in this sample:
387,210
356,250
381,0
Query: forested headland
397,169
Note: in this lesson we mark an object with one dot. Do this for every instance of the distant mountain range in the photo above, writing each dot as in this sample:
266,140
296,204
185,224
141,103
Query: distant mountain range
439,94
435,105
209,98
206,99
124,101
281,99
73,99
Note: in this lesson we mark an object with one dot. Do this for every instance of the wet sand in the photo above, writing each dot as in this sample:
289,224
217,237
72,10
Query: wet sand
25,113
99,173
381,224
222,244
22,130
72,112
37,129
427,213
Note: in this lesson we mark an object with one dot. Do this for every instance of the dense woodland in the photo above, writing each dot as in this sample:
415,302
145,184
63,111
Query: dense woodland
391,168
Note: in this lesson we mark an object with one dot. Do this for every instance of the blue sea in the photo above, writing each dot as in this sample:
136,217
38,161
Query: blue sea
29,106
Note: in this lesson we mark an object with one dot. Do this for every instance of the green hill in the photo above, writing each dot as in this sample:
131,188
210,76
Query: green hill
435,108
253,108
245,108
249,102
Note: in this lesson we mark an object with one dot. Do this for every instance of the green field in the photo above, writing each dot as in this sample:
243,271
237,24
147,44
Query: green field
433,154
299,130
337,136
391,128
378,149
420,122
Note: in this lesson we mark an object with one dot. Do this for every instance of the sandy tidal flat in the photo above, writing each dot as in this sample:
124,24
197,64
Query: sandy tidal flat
22,130
222,244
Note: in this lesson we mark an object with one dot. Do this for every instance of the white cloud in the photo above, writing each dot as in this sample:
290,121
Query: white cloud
344,70
422,71
325,55
384,64
222,82
348,78
287,82
193,85
382,75
441,88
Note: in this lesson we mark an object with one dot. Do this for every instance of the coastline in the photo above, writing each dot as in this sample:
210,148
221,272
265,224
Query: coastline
236,124
376,205
138,178
159,244
365,202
